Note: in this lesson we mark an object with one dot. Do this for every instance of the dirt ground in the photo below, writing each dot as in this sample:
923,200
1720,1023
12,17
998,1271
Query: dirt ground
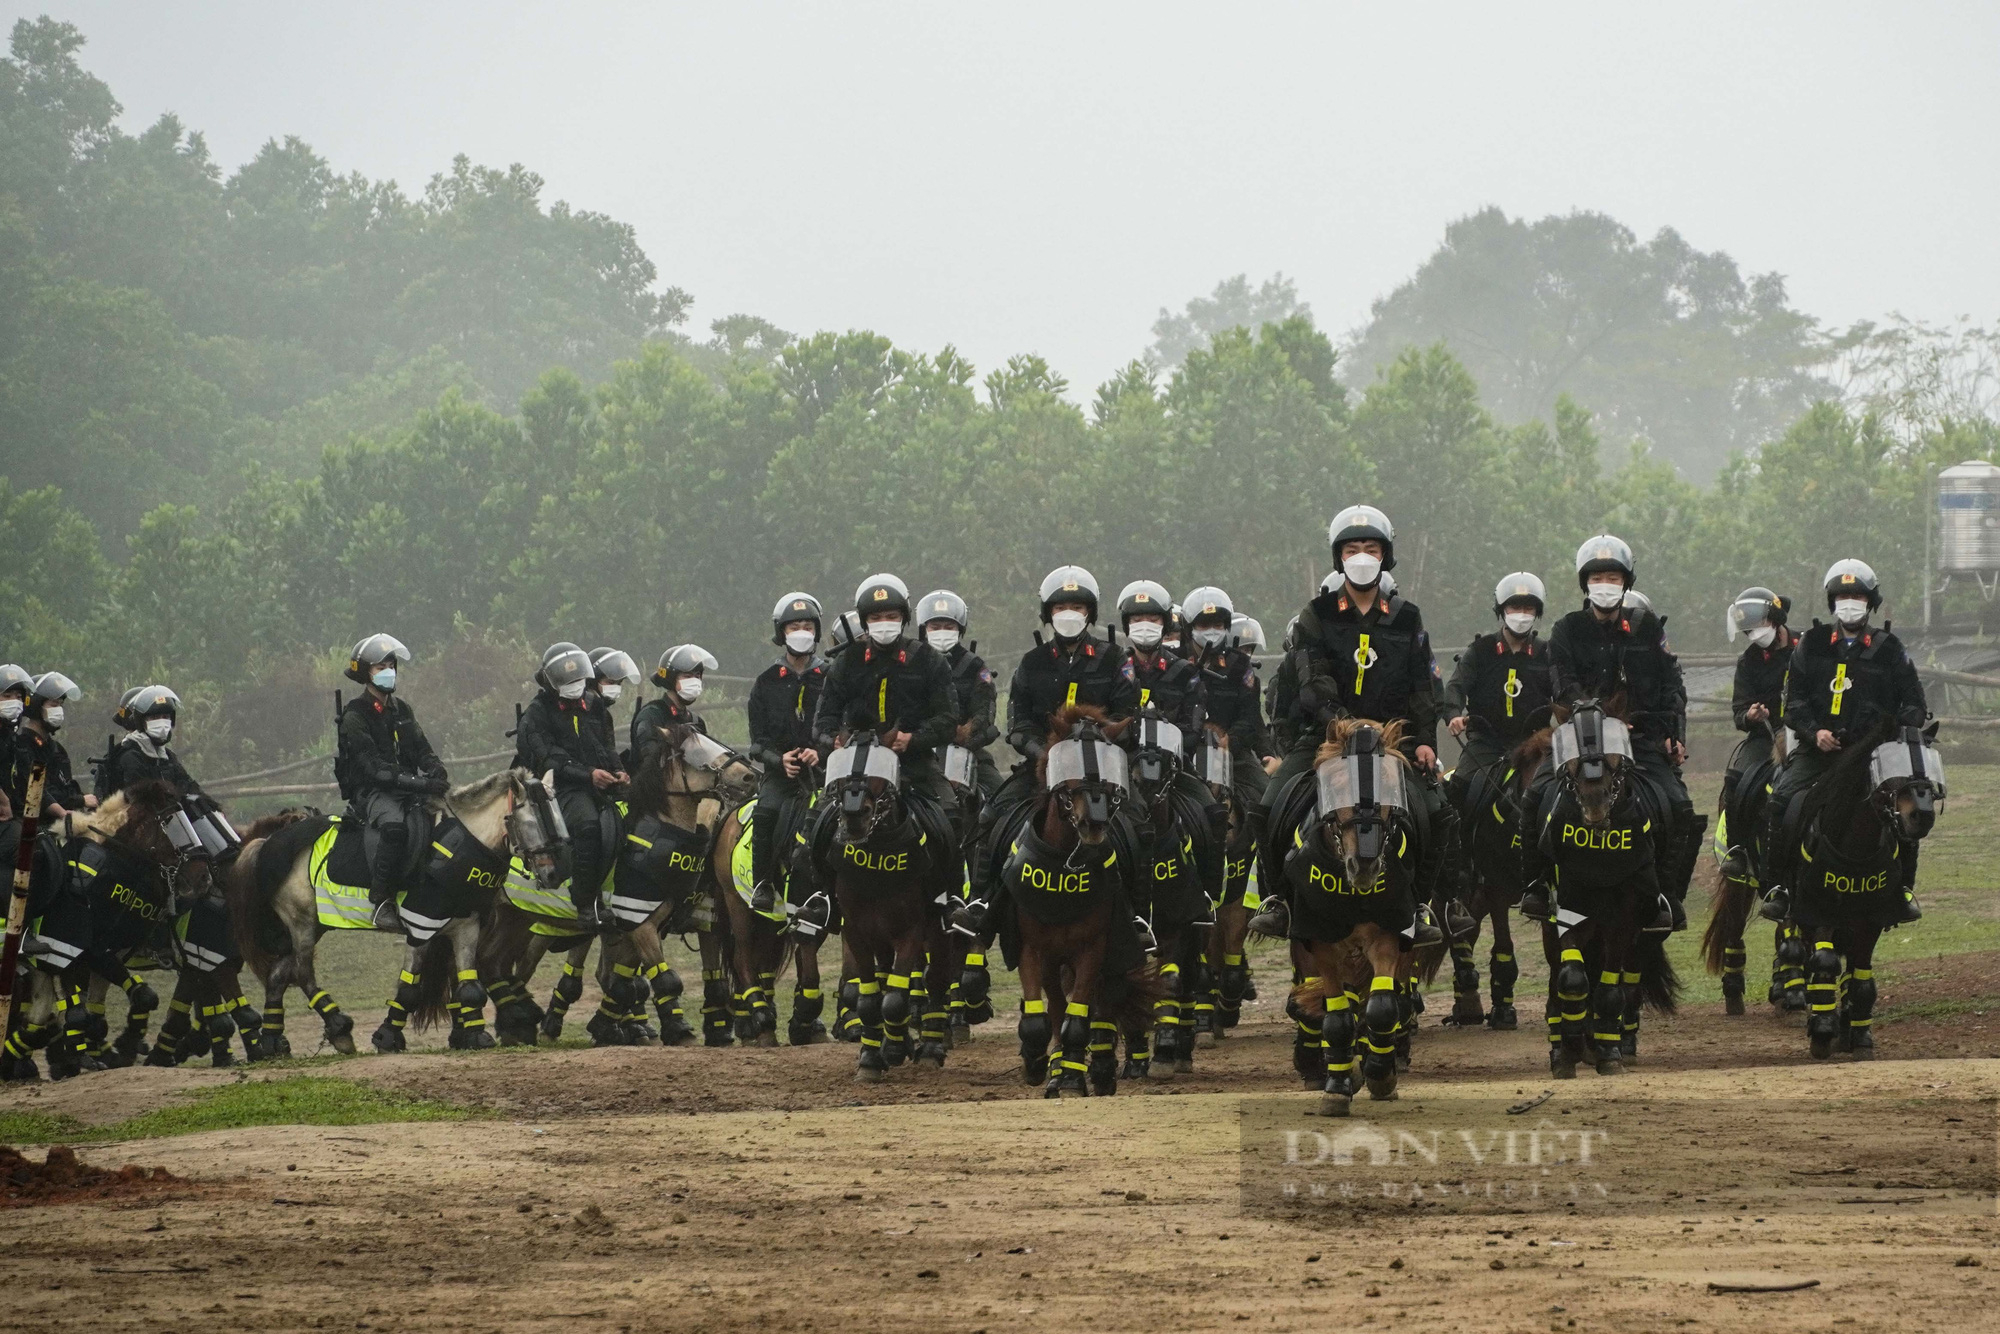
647,1189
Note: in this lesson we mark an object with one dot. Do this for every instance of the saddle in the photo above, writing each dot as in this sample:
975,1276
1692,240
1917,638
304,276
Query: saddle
421,825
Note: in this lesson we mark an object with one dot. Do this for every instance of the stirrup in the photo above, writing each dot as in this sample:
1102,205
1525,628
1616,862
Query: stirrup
809,922
1147,940
1663,919
1459,923
1274,920
1777,905
1424,927
1909,911
968,919
764,897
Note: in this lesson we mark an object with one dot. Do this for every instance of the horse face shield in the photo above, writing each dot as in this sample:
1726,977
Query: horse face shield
859,775
1094,770
1908,779
1592,753
536,827
1159,752
1361,792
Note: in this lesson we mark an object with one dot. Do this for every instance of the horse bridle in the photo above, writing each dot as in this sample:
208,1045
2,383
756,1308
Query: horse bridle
1592,762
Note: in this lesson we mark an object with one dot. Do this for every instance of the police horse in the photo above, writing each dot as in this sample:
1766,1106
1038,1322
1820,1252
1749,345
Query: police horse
1594,828
1179,881
1739,815
288,890
1853,840
1225,972
100,889
892,877
1491,824
660,869
1350,857
1067,924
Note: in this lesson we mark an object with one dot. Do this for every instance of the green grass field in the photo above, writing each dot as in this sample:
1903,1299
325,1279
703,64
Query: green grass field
303,1100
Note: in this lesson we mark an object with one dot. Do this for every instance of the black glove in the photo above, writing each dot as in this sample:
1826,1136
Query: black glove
436,785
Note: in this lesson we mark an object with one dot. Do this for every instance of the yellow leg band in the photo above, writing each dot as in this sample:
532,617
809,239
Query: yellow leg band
1034,1007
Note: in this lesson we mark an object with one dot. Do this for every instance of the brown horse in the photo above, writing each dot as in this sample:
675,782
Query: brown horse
1068,926
1353,916
757,949
1732,898
1225,973
888,882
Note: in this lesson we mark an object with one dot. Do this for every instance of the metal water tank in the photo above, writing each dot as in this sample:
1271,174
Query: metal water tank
1969,518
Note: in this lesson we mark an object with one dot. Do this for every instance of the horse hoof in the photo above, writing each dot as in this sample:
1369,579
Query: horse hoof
1335,1104
1562,1065
1384,1089
1792,1004
1610,1065
1732,1005
1503,1019
868,1074
1034,1072
638,1035
895,1053
767,1039
388,1040
552,1026
931,1054
961,1034
1208,1037
1402,1063
471,1039
1822,1046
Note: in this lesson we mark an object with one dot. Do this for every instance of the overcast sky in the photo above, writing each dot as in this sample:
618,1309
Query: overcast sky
1024,177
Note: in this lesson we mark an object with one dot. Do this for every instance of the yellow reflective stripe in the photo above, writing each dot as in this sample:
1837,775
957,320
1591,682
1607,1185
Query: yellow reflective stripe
1360,663
634,838
882,702
441,848
1839,687
899,982
870,988
1382,983
1034,1007
1511,689
1145,695
1071,698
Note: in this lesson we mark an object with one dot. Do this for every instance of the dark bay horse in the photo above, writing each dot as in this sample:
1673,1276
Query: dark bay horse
1491,825
1067,923
1595,833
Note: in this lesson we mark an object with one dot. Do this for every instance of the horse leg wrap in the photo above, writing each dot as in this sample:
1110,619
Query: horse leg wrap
715,1017
764,1005
1822,990
1380,1018
1733,959
1502,973
1607,1004
1075,1038
1235,976
1629,1044
1103,1057
166,1047
1572,988
471,999
807,1005
1167,1015
403,1001
1857,1012
1034,1030
868,1004
337,1025
1464,972
975,982
249,1024
221,1027
666,982
1336,1033
846,1012
895,998
96,1028
568,990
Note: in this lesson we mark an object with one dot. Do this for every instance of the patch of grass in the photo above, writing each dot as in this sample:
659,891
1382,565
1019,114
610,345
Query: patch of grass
304,1100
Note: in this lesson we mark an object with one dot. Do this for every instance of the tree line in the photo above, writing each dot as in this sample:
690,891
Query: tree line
244,422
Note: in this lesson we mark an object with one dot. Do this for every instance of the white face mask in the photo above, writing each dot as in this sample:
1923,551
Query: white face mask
574,690
1146,634
1069,624
159,728
385,679
1763,635
1361,569
1520,622
885,632
53,716
942,640
1606,596
689,688
611,689
1174,644
1850,611
1210,638
10,710
801,641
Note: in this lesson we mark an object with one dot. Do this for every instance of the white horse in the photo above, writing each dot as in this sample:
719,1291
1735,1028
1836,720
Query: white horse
270,889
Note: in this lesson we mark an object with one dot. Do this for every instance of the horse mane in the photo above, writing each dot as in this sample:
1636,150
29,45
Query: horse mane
1060,724
266,825
116,811
1614,705
1339,730
482,790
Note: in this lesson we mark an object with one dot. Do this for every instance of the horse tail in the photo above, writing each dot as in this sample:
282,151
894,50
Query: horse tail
1428,959
1309,996
1144,986
251,883
1728,914
1659,984
435,983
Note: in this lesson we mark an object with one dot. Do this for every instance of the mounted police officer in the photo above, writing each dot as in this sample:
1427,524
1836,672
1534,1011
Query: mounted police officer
613,670
1361,654
680,678
1073,667
784,699
1231,692
386,767
946,621
149,715
15,682
900,690
1607,646
44,714
1843,681
1167,680
1499,692
1755,703
558,735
